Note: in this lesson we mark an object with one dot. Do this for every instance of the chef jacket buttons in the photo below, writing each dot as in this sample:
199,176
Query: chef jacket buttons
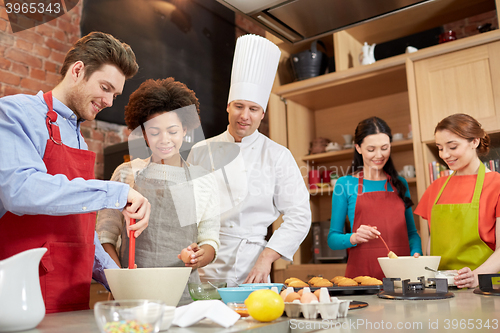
72,116
84,208
117,204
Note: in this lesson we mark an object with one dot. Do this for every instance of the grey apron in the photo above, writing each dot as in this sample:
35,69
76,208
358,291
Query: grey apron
172,223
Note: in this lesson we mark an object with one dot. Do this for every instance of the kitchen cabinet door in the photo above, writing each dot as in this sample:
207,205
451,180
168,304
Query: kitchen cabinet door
465,81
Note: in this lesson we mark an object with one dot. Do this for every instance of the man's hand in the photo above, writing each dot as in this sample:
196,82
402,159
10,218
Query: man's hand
139,208
262,268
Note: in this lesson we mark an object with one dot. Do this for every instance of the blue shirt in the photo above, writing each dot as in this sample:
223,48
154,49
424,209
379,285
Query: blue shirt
23,175
344,199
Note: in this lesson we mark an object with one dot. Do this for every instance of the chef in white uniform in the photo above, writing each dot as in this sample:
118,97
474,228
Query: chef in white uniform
258,179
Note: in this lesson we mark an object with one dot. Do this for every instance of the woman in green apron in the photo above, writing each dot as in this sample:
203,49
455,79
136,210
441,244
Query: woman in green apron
463,209
184,201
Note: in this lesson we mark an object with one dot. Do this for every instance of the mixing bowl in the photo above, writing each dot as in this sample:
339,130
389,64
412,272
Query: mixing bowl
163,283
129,315
205,290
235,294
409,267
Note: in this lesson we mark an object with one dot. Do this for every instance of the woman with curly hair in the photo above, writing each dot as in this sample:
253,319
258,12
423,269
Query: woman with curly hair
377,202
465,206
184,202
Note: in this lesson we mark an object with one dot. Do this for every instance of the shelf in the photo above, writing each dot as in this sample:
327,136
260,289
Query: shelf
329,189
344,154
419,18
382,78
385,77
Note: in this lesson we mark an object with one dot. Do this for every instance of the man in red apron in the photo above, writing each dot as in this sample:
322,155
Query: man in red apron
47,191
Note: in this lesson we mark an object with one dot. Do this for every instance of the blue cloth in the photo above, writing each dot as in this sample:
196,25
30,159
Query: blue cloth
25,186
344,200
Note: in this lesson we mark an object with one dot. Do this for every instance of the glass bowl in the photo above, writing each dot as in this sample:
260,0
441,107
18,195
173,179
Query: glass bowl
129,316
205,290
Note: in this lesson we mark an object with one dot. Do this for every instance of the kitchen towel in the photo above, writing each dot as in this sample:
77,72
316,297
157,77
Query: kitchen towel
214,310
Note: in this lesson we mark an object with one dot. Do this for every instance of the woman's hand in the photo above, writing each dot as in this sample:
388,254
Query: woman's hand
188,255
364,234
466,278
197,256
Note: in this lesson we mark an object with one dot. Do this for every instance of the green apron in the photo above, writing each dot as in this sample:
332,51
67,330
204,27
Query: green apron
455,231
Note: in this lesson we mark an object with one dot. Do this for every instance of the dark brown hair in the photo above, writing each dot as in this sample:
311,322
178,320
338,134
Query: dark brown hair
466,127
375,125
158,96
97,49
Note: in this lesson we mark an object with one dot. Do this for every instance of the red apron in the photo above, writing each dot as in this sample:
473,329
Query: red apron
66,269
386,211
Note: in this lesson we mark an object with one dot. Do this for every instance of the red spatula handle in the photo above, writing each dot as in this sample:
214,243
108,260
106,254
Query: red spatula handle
131,247
384,243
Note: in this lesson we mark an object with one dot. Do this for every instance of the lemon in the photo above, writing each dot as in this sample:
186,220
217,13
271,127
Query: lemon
265,305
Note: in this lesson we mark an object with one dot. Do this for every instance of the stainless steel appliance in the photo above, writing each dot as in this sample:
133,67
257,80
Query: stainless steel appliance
301,20
321,251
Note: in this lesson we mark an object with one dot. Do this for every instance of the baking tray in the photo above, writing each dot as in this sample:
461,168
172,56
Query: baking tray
351,290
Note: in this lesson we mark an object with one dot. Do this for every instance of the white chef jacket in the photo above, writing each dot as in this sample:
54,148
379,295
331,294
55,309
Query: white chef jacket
263,181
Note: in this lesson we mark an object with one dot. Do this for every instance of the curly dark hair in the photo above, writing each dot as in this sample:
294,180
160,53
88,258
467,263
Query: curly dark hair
375,125
158,96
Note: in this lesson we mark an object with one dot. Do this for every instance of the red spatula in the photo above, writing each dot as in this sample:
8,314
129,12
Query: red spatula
131,247
391,254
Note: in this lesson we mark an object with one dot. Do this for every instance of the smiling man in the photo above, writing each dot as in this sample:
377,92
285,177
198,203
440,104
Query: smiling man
47,190
258,181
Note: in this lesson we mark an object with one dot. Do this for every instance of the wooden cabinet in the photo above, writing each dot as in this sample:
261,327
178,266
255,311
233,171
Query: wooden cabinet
465,81
392,89
416,89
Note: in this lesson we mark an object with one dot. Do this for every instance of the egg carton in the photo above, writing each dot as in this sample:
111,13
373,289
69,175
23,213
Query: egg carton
332,310
327,307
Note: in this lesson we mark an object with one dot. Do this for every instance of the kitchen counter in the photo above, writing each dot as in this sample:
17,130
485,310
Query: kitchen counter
466,311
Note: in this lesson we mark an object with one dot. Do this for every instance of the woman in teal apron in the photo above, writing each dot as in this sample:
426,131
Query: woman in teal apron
463,209
184,201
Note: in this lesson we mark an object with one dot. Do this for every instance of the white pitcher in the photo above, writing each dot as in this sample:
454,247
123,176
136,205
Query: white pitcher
21,302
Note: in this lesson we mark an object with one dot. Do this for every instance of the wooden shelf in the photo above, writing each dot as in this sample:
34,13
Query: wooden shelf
382,78
344,154
329,189
419,18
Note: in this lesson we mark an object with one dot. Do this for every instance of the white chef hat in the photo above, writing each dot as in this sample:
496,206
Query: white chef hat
254,68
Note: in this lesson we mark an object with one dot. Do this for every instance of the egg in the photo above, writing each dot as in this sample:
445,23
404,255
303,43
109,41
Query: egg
292,297
308,298
283,294
300,292
317,292
186,256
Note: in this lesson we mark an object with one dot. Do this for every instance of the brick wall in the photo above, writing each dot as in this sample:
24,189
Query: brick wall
30,61
468,26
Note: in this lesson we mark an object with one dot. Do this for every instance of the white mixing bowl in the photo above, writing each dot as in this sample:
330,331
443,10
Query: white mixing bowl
409,267
165,283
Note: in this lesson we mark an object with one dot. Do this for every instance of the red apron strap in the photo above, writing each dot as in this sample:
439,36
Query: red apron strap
51,119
